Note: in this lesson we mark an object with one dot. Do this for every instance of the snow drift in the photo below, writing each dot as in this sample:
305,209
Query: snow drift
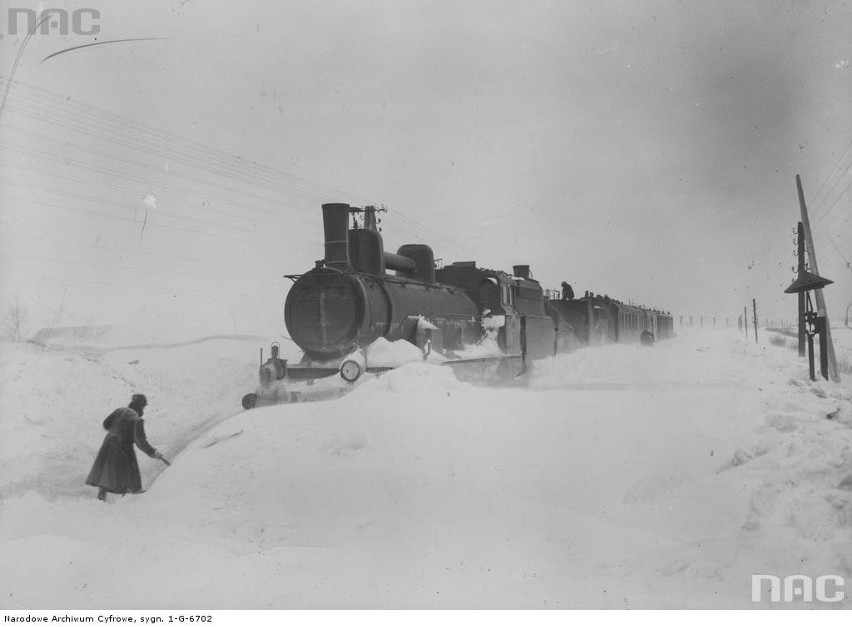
618,477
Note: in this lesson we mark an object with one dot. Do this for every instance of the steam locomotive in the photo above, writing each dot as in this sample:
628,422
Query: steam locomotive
336,310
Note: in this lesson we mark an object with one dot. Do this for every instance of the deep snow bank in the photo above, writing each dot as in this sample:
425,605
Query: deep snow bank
54,401
619,477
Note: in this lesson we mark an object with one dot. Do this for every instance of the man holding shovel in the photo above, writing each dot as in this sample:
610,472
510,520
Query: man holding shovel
116,469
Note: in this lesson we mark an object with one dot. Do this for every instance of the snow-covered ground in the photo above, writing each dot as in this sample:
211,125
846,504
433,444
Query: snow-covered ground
619,477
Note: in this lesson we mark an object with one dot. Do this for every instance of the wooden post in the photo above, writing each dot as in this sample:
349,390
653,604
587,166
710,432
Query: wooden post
800,251
745,320
821,323
811,357
820,300
754,310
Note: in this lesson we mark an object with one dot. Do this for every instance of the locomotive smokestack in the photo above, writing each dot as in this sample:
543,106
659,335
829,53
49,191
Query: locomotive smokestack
521,271
335,221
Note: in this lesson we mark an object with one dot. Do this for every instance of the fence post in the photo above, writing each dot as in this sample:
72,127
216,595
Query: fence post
754,309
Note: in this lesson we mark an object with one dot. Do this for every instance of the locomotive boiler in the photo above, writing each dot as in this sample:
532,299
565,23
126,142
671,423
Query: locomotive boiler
349,299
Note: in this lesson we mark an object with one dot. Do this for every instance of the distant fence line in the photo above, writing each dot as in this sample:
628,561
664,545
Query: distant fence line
727,322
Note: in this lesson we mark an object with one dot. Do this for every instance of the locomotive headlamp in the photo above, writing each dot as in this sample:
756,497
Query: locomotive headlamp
350,370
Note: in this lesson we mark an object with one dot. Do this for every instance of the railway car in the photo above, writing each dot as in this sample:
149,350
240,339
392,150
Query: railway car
598,320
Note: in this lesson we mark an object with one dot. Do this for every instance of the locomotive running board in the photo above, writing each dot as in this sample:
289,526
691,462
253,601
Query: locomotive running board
302,374
305,374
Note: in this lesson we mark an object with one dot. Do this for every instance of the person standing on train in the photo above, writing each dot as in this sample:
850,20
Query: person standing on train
116,469
567,292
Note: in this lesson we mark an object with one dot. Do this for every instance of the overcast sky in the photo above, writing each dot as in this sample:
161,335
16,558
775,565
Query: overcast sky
647,150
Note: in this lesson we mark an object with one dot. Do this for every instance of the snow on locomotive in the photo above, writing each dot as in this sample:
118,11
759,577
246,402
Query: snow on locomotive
465,316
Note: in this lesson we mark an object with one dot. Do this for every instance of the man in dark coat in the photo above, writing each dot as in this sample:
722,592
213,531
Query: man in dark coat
567,292
116,469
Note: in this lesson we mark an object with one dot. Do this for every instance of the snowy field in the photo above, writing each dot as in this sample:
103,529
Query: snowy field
618,477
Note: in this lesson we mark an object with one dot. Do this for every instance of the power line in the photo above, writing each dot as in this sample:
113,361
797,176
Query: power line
232,160
116,127
154,210
825,215
146,166
124,124
133,220
111,248
103,284
834,167
833,187
170,271
39,154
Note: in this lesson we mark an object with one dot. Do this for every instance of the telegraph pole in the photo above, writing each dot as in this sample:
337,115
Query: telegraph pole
820,300
800,251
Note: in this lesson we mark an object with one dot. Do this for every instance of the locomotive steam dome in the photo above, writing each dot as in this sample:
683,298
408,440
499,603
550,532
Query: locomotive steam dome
324,312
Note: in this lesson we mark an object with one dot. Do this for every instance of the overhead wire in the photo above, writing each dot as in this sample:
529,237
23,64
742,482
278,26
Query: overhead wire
155,210
112,248
121,133
830,192
119,130
102,284
403,222
148,167
318,191
834,167
170,271
41,154
132,220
